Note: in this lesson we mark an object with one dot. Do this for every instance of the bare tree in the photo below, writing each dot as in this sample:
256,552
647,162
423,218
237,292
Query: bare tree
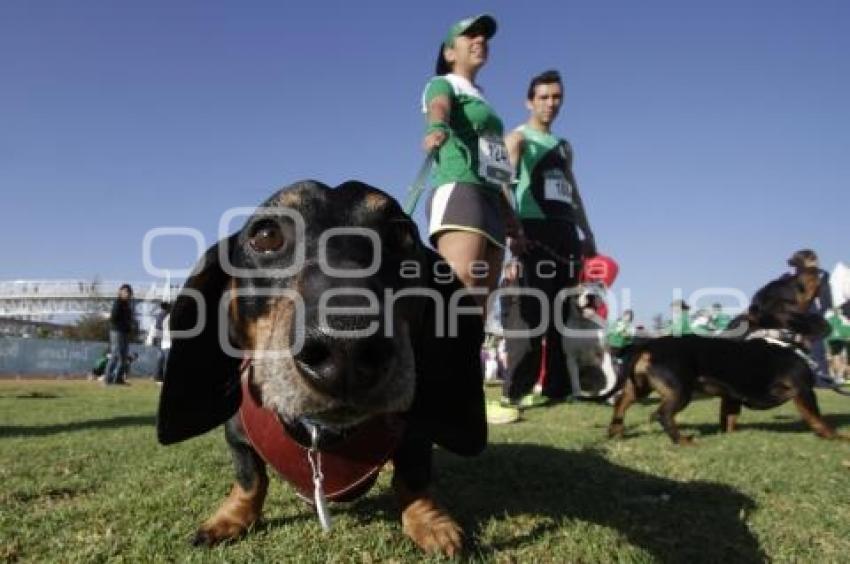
90,327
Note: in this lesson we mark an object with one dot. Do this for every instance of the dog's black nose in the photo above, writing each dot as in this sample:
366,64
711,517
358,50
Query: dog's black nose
343,367
345,350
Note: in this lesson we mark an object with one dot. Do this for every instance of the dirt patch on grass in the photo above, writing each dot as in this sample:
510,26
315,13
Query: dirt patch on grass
50,496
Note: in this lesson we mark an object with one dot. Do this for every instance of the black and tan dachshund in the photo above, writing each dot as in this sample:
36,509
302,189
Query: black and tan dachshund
759,373
253,309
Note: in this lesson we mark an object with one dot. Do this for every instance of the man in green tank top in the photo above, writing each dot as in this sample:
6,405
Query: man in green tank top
552,213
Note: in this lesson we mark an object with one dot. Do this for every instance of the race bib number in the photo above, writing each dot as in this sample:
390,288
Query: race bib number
493,163
557,187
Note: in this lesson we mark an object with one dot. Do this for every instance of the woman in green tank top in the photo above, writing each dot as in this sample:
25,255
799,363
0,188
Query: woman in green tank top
469,213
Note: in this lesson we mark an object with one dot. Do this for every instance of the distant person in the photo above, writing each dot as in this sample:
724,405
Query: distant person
680,321
159,337
820,305
621,333
121,325
701,323
557,236
99,368
469,215
838,341
489,360
719,319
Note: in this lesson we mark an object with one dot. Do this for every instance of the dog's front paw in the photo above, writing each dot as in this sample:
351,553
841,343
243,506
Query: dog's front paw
431,528
210,534
237,513
616,431
223,527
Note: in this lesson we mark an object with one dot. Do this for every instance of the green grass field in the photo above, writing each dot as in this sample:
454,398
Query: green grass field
85,480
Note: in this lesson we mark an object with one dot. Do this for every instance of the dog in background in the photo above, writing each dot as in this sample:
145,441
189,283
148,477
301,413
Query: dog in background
585,346
760,361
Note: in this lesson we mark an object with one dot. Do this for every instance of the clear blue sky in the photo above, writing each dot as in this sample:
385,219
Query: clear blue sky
712,139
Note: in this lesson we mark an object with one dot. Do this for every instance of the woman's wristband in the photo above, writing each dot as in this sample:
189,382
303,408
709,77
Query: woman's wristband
437,126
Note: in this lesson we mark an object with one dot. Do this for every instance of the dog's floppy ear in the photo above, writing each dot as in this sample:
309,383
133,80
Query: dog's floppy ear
201,388
449,398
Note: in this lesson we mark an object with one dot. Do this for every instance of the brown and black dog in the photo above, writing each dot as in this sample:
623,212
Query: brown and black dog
391,345
757,373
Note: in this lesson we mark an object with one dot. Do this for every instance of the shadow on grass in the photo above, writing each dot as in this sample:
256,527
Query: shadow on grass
7,431
781,424
32,395
672,520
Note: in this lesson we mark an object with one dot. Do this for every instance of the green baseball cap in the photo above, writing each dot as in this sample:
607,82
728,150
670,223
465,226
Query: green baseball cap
485,21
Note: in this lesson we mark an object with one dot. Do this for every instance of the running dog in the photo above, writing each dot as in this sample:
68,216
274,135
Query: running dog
323,319
761,372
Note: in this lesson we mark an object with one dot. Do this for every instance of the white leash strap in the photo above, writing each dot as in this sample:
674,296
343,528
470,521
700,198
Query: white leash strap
806,358
418,185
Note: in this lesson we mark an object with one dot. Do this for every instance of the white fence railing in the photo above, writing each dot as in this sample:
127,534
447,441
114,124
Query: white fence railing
49,299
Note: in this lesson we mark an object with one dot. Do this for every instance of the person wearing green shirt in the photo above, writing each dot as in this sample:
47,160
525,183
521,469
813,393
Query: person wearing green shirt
680,321
552,215
469,214
719,320
837,341
621,333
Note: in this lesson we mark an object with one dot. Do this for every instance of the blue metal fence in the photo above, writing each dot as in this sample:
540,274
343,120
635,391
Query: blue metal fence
59,357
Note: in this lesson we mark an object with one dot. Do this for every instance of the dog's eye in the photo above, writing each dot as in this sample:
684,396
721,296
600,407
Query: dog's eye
266,237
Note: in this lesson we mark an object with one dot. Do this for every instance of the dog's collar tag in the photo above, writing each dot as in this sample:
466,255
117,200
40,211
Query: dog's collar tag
346,469
314,456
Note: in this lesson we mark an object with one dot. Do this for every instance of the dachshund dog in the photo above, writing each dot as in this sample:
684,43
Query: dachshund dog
763,371
327,312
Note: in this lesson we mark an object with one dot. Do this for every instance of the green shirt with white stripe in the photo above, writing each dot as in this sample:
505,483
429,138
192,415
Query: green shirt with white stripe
470,119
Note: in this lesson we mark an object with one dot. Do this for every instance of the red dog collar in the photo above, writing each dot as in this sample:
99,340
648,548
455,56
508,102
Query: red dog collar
350,466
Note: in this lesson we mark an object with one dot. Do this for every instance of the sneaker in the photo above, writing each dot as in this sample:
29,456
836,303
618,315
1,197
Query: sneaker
505,401
498,414
533,400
